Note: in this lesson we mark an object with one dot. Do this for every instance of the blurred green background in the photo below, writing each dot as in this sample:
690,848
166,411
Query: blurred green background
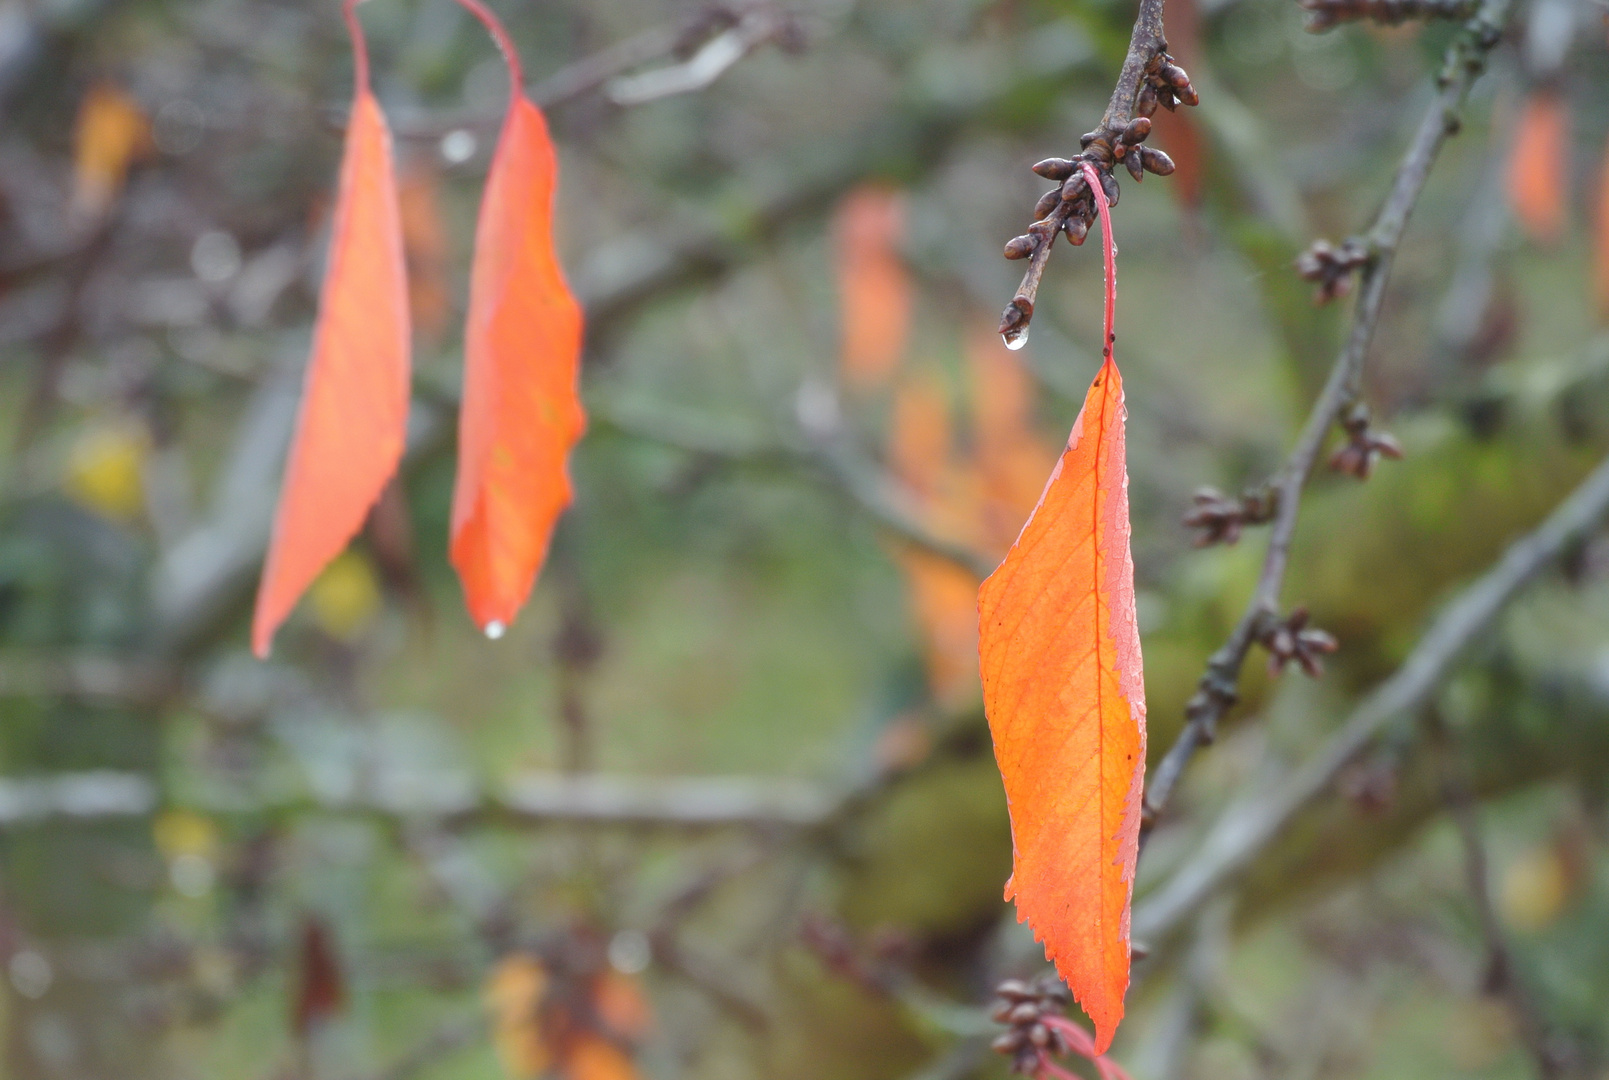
722,802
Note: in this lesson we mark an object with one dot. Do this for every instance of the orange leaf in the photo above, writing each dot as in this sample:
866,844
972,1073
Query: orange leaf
873,284
1537,176
1062,686
593,1057
621,1005
522,411
353,420
111,131
1601,277
514,994
424,238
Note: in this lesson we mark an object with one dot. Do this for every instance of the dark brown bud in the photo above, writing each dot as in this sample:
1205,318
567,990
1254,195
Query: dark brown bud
1136,166
1052,989
1145,104
1039,1035
1056,168
1088,137
1109,185
1187,95
1156,161
1015,989
1020,247
1008,1041
1047,202
1025,1013
1175,76
1137,131
1077,229
1001,1011
1074,187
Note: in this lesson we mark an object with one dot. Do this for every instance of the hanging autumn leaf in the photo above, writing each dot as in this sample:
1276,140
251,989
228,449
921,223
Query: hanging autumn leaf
521,411
353,420
873,284
1062,686
1537,173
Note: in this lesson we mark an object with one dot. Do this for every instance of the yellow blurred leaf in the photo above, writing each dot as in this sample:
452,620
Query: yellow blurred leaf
105,469
345,598
180,832
1534,889
111,132
513,995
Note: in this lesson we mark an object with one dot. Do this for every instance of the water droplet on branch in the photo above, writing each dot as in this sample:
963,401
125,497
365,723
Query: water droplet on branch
495,629
1015,338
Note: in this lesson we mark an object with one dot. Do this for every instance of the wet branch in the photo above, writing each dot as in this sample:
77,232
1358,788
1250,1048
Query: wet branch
1216,692
1248,827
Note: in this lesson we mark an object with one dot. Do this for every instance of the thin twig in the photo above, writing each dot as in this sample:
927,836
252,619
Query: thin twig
1146,42
1501,980
1248,827
1216,691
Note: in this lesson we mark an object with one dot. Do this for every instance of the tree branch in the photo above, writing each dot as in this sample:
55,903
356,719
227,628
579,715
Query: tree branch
1123,126
1244,830
1216,691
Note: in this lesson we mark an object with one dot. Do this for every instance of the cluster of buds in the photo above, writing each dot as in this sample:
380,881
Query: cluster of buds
1070,206
1036,1031
1324,14
1364,445
1332,267
1029,1011
1291,639
1221,518
1165,84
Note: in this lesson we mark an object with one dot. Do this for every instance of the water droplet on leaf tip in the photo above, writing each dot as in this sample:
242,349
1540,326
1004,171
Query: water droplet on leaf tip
495,629
1015,339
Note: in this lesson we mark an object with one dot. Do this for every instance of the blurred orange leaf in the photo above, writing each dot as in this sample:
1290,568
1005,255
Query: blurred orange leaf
1601,252
874,285
979,496
111,132
353,420
574,1024
1538,170
521,411
424,239
594,1057
1062,686
621,1005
